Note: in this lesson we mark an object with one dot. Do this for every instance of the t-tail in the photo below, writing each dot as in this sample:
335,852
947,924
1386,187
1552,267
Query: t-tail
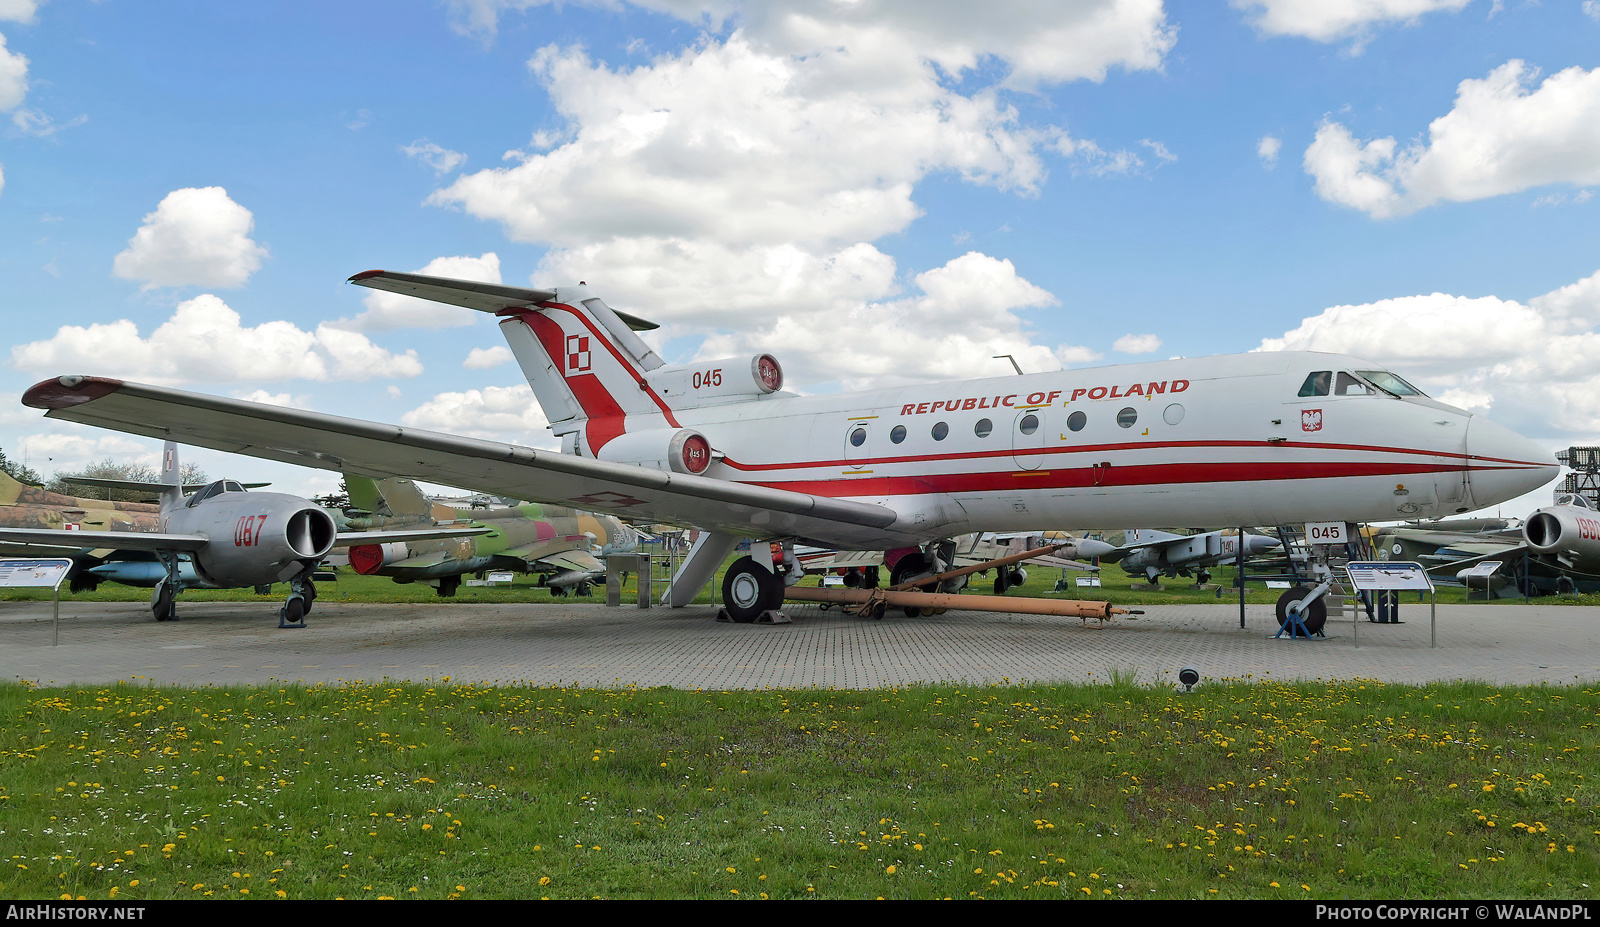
606,393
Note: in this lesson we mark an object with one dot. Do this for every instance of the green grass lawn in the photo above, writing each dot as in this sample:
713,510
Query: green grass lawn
1238,790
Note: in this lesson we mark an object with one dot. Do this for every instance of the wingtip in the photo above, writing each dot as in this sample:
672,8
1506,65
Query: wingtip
365,274
64,392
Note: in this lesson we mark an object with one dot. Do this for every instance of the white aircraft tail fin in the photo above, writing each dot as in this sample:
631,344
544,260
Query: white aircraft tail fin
588,368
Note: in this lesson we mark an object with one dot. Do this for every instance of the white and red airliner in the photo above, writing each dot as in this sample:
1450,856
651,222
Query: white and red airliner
1263,438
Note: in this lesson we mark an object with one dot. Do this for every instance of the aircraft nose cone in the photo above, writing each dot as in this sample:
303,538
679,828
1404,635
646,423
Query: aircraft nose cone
1256,544
1503,464
1089,547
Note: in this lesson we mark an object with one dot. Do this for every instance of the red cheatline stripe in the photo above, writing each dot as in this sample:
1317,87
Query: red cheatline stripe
1137,475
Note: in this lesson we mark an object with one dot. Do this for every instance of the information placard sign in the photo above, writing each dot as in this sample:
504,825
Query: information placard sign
1388,575
48,573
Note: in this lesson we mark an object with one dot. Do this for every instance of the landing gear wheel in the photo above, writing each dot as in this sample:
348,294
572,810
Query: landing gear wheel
1002,581
908,566
748,589
583,589
293,614
1314,617
447,587
1202,577
163,606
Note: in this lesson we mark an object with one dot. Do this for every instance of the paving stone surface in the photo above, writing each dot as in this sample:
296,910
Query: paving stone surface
592,645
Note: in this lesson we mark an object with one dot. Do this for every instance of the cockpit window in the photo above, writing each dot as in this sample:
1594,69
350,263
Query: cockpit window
1390,383
214,489
1316,384
1574,500
1348,385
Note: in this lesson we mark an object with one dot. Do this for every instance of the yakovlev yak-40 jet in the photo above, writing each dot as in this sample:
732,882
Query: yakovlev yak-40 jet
1265,438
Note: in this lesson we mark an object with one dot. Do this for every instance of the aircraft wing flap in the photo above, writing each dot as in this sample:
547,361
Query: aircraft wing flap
331,442
115,540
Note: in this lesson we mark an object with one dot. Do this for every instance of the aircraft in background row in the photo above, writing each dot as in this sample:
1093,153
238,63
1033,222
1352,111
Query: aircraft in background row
860,567
1154,554
1261,438
1556,550
219,537
565,545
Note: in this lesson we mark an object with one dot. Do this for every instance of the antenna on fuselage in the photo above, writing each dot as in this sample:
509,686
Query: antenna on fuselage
1013,361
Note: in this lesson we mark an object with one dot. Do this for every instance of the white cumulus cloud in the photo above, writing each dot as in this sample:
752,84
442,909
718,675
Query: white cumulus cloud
441,159
13,78
1137,344
1501,137
486,358
1267,150
205,342
965,315
501,413
20,11
742,182
1332,20
197,236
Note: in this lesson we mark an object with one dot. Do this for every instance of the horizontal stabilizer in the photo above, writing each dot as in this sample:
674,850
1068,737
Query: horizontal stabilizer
471,294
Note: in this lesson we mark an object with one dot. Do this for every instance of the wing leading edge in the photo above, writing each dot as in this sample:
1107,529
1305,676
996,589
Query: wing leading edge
331,442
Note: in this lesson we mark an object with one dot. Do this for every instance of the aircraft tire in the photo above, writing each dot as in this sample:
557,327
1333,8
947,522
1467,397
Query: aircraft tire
163,606
294,611
910,565
1001,582
1315,616
748,589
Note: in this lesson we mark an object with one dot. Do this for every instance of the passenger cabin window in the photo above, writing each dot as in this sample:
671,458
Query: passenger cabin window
897,434
1317,384
940,431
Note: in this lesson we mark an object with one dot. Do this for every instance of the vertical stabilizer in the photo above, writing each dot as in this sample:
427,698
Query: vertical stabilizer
584,364
171,477
389,497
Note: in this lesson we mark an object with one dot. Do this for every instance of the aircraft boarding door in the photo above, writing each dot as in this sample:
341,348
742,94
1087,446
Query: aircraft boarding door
1027,439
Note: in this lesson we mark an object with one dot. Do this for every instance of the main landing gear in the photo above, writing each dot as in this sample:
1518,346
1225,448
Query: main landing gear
748,589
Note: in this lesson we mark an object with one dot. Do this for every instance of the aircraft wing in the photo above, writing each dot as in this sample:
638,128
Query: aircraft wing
395,535
331,442
93,540
557,553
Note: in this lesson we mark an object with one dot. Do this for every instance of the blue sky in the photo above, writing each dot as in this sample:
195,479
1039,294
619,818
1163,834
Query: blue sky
876,191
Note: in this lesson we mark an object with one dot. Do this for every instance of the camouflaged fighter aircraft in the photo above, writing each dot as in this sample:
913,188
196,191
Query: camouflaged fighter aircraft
24,506
566,545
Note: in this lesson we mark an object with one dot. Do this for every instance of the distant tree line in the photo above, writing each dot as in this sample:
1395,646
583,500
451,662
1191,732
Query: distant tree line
107,469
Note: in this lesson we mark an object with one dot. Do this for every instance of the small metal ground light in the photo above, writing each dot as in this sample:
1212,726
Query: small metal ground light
1188,676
